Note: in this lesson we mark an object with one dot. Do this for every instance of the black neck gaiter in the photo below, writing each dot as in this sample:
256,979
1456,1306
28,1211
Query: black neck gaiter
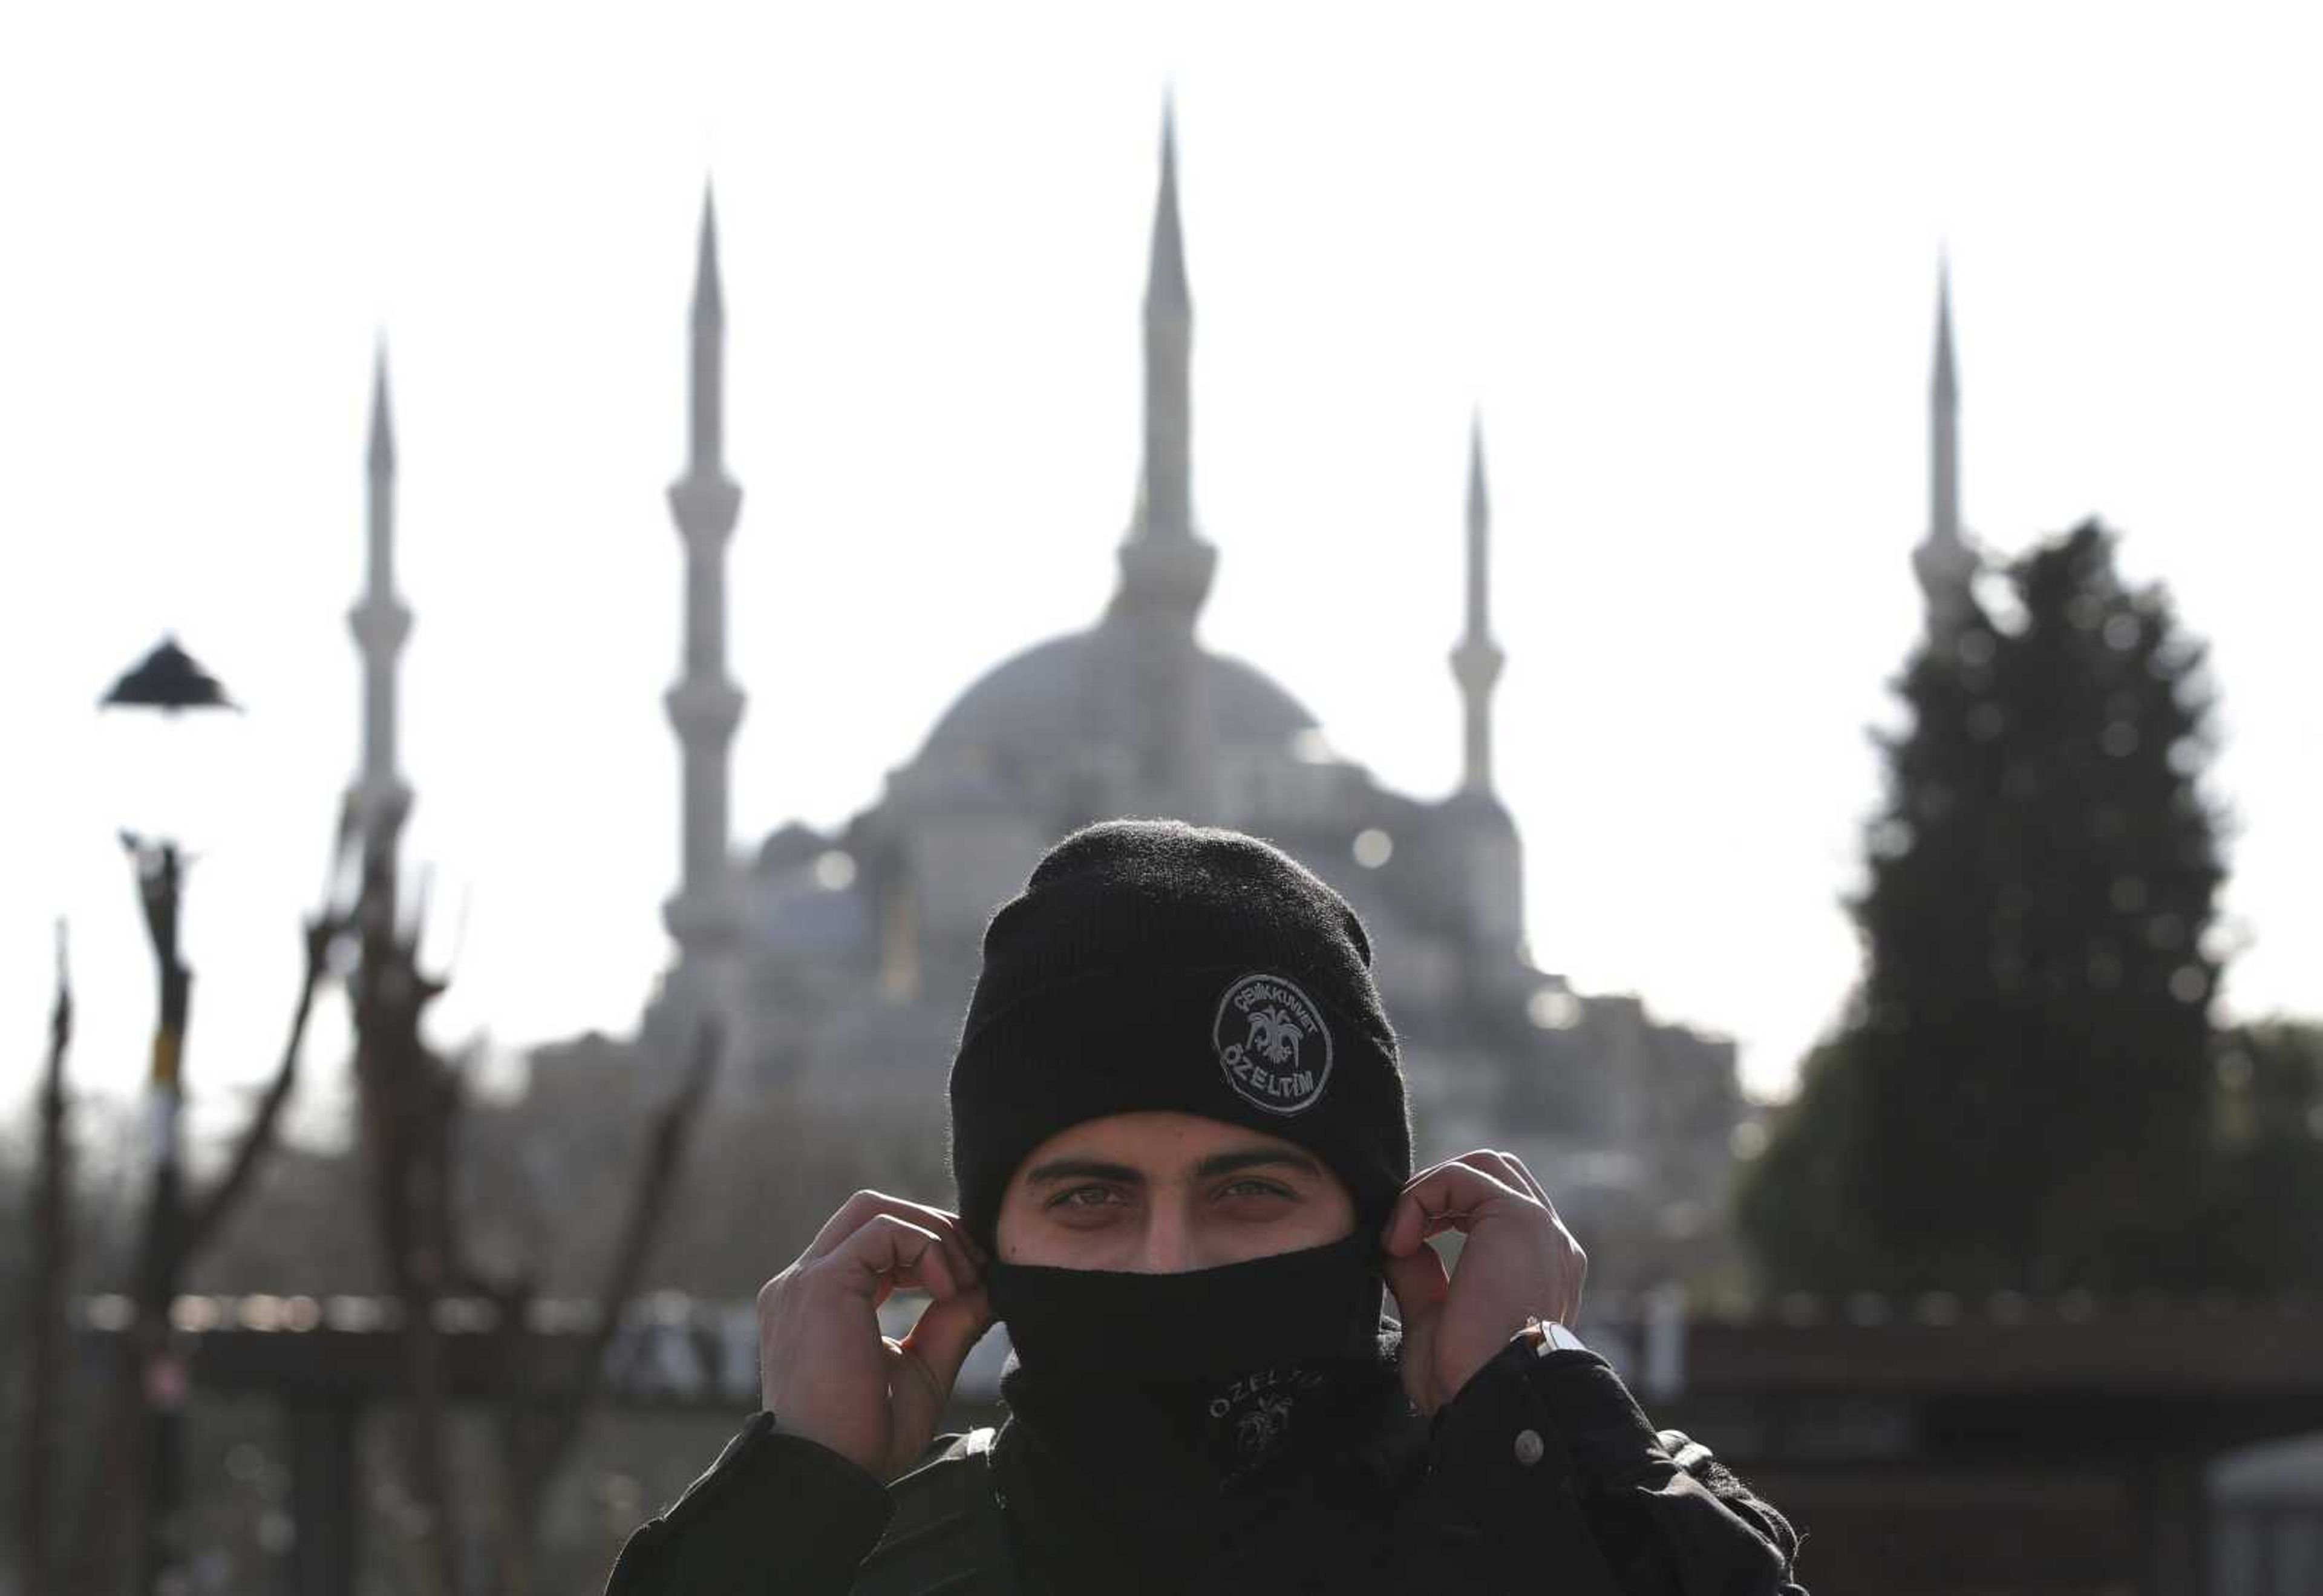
1169,1415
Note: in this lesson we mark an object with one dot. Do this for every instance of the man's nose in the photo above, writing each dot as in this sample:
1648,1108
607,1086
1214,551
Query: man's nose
1167,1247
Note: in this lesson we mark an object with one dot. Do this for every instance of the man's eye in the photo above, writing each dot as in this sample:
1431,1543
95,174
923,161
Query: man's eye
1083,1196
1255,1188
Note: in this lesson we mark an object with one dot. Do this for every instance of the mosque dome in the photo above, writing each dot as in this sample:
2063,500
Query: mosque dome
1081,690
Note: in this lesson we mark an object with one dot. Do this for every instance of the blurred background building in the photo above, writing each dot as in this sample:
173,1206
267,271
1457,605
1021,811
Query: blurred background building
842,962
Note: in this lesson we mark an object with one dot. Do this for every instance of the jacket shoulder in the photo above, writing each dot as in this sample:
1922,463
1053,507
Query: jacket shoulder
946,1533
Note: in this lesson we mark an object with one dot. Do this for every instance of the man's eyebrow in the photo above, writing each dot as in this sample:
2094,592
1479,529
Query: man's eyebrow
1210,1167
1256,1157
1081,1168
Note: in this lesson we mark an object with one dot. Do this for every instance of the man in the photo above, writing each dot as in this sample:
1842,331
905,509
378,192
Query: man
1181,1144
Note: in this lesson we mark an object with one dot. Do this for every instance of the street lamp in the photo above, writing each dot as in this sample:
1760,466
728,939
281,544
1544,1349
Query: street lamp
166,680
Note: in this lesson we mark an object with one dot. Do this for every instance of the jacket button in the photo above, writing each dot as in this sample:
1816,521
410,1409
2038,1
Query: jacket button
1529,1447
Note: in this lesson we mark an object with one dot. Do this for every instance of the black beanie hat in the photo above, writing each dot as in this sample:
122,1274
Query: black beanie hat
1154,965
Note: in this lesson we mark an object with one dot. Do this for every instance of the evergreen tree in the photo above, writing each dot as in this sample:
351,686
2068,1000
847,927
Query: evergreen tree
2263,1196
2019,1095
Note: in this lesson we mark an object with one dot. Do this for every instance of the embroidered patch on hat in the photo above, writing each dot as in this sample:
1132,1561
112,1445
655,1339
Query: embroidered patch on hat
1272,1044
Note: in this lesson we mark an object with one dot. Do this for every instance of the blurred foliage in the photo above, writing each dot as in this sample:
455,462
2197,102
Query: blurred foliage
2261,1196
2027,1091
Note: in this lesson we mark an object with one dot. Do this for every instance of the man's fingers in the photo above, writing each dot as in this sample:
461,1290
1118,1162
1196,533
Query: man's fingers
823,1361
889,1251
864,1206
1446,1197
864,1232
844,1222
1417,1282
922,1367
1517,1175
916,1405
946,1331
1577,1269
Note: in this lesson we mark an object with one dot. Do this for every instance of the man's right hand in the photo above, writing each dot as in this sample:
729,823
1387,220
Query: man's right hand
825,1371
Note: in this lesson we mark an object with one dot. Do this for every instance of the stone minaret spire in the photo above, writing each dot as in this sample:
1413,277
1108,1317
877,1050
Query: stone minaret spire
704,706
1476,662
1943,422
1165,565
380,800
1944,562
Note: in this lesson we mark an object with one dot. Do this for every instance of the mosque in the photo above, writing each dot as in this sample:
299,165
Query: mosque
842,962
839,963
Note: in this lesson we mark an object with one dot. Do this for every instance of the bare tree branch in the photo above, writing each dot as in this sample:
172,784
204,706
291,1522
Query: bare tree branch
657,1179
52,1266
539,1428
210,1211
408,1097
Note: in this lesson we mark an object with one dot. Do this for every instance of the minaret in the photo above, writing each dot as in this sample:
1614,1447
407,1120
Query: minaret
1943,422
1476,662
380,800
1943,560
1165,565
1486,856
704,706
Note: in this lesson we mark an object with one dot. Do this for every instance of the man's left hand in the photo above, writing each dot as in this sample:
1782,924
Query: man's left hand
1518,1263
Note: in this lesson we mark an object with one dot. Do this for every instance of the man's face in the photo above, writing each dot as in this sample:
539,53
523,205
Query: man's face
1164,1193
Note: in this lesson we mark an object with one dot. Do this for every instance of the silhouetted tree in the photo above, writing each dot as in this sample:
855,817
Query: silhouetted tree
2020,1095
120,1432
413,1101
44,1301
2263,1192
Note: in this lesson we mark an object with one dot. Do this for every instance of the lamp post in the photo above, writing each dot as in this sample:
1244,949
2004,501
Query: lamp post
166,680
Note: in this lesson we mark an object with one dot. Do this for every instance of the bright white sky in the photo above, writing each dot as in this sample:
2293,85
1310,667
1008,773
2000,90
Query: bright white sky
1684,259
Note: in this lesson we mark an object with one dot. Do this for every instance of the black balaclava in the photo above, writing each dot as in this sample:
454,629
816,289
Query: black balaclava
1150,964
1228,1421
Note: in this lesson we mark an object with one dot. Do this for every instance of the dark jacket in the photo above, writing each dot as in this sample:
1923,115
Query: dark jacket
1542,1476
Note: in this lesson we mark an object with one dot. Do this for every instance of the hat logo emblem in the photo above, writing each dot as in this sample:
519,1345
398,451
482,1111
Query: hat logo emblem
1272,1043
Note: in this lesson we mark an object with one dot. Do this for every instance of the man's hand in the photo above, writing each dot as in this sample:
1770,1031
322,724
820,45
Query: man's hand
824,1370
1518,1263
